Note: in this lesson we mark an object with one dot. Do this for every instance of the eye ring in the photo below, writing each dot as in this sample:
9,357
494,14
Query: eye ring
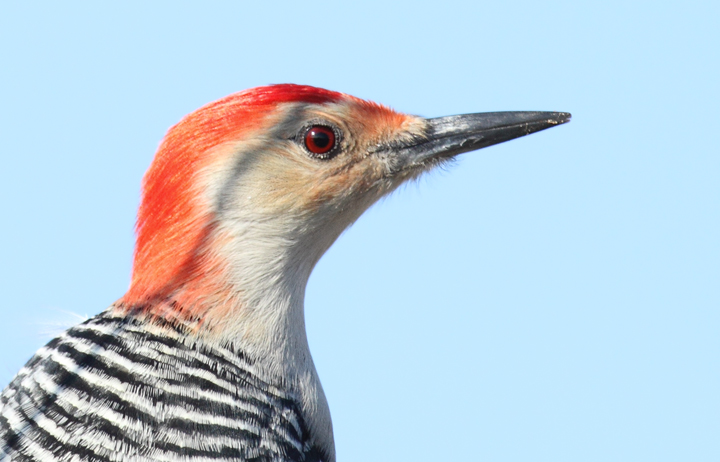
321,141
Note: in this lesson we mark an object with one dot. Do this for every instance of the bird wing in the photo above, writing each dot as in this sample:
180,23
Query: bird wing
110,389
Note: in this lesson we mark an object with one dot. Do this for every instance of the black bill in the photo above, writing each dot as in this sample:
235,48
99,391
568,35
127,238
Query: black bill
453,135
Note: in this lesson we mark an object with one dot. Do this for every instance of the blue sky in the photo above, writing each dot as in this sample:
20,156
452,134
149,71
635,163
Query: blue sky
554,298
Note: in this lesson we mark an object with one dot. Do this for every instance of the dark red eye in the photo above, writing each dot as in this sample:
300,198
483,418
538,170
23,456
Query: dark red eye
320,139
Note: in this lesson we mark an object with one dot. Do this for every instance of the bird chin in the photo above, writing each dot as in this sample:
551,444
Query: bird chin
414,171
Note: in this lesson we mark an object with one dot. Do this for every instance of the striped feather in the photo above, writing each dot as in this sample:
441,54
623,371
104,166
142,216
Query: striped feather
111,389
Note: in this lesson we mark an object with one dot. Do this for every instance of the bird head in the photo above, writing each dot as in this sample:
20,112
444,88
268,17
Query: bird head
246,194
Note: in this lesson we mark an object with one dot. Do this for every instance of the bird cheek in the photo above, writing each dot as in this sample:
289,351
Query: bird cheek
355,184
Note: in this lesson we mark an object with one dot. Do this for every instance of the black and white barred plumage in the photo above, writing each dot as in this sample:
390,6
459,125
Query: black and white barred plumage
116,388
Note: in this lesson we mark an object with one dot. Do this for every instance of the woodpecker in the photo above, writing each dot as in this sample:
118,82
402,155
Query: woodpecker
206,356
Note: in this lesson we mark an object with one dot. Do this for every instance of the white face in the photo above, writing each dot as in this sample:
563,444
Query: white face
297,201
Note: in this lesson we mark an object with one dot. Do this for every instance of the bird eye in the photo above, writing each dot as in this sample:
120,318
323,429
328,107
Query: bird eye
320,140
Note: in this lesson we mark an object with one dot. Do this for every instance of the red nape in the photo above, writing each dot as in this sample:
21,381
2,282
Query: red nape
172,224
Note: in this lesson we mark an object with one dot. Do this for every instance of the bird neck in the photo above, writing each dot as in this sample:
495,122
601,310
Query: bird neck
241,290
248,291
266,272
